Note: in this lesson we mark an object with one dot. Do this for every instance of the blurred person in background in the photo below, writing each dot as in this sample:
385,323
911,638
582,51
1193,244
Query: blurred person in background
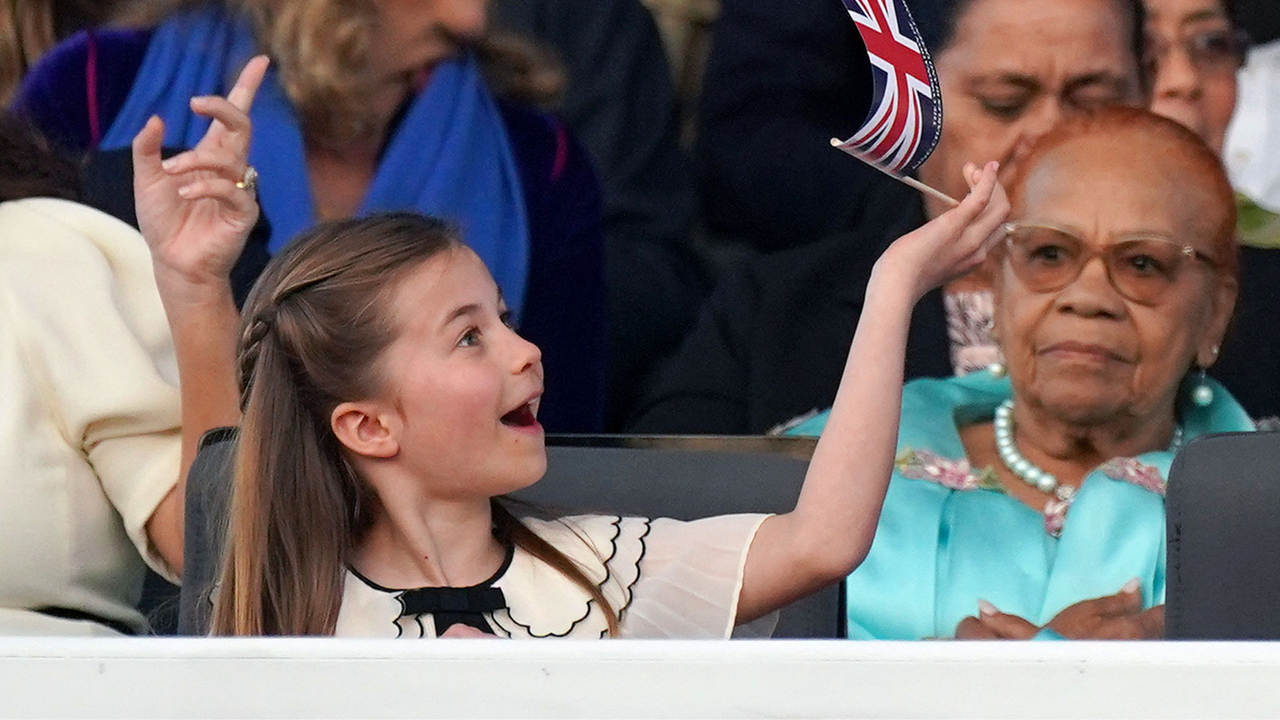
28,28
1196,50
373,105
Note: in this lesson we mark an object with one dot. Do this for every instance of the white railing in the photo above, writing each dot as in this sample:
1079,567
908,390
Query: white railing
140,678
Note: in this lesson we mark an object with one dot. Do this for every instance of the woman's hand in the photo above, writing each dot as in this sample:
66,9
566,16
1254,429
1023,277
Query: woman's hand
953,243
190,209
1113,617
992,624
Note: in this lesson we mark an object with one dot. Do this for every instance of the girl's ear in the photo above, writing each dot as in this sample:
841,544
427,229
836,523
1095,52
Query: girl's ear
366,430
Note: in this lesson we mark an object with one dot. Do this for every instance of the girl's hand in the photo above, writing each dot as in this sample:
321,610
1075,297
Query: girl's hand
191,211
953,243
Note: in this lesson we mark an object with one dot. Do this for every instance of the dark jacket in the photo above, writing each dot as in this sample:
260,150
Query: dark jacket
772,341
621,103
783,78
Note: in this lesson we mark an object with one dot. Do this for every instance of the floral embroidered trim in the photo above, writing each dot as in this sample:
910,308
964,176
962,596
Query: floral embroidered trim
1127,469
1055,515
959,475
953,474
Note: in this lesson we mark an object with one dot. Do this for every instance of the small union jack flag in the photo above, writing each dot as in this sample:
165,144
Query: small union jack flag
905,118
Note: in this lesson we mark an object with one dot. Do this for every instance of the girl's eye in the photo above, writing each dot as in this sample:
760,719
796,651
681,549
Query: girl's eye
470,338
508,319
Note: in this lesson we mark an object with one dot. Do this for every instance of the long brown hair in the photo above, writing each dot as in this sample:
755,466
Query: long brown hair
313,329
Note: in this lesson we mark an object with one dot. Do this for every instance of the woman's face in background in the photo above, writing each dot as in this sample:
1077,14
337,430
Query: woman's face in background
413,35
1195,52
1014,68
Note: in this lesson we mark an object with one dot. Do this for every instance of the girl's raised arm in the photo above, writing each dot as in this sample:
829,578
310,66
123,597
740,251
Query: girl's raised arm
195,211
831,529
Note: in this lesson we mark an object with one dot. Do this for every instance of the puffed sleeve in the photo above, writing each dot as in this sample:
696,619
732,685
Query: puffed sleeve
82,298
691,579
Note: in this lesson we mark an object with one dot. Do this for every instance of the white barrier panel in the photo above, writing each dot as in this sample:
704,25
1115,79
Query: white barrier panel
140,678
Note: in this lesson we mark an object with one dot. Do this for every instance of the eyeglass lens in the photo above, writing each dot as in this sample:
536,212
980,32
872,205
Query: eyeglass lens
1047,259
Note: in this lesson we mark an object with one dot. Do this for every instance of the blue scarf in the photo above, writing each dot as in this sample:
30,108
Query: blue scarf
450,155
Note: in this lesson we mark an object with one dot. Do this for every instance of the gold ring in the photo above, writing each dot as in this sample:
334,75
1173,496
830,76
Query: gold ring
248,181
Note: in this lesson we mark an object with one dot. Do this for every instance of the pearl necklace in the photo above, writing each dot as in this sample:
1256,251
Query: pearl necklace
1027,471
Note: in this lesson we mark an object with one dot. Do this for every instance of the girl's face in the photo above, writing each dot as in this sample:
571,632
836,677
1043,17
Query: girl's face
461,388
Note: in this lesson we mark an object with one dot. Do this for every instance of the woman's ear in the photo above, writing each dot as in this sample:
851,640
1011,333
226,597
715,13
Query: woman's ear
366,429
1224,305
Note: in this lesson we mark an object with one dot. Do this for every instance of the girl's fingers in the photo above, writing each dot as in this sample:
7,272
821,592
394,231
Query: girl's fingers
222,190
246,87
146,151
234,120
216,159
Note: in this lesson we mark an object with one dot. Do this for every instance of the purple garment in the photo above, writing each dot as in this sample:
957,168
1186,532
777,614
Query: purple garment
564,308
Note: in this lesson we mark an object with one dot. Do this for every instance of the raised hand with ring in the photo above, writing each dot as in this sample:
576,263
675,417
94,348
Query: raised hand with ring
193,208
249,180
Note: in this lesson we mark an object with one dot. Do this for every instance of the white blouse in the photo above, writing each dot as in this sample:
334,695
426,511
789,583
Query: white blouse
89,418
665,578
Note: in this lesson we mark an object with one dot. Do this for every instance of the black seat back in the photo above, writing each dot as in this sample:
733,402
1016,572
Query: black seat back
1223,511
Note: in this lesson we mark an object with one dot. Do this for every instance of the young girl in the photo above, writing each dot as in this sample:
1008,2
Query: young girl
388,405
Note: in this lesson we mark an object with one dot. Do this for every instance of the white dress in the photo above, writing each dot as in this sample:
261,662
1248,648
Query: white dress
89,419
666,579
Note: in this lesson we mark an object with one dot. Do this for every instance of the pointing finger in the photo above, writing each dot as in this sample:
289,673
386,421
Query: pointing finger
223,111
146,151
247,84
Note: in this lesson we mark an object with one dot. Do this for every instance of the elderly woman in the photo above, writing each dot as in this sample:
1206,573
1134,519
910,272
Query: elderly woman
372,105
1032,504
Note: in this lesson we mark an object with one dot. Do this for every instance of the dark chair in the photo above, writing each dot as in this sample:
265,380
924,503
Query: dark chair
677,477
159,604
1223,511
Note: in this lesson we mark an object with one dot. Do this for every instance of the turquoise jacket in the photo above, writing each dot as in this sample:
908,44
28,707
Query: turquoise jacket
948,536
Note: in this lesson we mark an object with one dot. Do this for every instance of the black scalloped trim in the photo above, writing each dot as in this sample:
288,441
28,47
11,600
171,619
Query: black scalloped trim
613,543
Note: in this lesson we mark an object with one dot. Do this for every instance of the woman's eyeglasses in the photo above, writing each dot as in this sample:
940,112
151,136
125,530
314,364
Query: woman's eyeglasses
1218,51
1141,268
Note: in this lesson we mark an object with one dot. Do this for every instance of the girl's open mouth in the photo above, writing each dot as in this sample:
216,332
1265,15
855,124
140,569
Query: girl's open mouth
521,417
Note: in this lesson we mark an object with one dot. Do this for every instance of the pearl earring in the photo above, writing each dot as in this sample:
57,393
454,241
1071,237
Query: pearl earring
997,369
1202,394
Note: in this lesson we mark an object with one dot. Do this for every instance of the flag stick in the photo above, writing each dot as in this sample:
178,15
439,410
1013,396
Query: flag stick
904,179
